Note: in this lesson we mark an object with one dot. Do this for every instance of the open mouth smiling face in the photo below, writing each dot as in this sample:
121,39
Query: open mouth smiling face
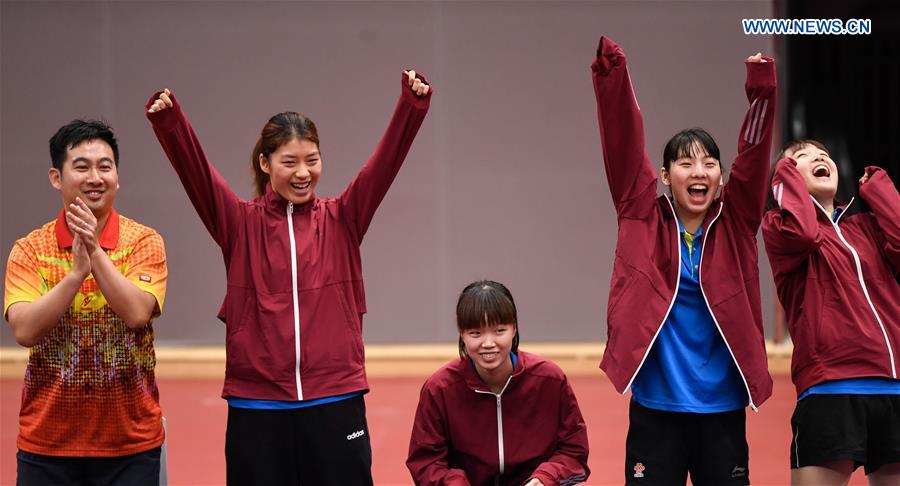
818,171
294,170
693,181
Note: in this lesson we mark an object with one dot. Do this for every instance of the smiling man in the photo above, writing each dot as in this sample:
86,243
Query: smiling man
81,293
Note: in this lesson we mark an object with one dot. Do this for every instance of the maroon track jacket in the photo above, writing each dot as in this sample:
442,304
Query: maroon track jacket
838,282
646,269
464,434
294,325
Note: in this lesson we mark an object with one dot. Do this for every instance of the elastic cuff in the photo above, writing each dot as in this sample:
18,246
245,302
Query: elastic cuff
609,55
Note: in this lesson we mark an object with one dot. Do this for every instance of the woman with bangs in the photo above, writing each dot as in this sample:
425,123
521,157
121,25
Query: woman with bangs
497,415
837,278
685,330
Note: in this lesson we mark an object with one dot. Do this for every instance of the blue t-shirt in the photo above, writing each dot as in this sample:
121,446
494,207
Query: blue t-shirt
238,402
854,386
689,367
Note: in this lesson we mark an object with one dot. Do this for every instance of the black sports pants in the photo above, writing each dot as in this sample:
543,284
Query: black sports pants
321,445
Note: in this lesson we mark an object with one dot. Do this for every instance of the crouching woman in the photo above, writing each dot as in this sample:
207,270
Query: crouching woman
497,415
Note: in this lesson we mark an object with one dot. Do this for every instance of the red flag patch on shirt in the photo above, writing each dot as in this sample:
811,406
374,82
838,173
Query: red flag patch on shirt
145,278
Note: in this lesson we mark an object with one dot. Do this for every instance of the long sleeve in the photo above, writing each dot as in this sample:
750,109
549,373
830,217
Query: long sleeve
881,195
568,465
363,196
428,448
629,172
745,193
215,202
791,233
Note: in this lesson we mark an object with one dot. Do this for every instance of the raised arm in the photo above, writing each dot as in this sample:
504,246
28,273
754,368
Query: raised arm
880,193
568,465
791,232
215,202
363,196
745,193
428,448
629,172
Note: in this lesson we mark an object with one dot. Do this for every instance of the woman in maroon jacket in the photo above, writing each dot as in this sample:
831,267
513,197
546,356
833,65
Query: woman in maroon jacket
837,278
294,375
684,323
541,438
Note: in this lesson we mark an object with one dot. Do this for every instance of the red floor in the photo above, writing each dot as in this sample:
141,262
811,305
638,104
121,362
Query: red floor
196,430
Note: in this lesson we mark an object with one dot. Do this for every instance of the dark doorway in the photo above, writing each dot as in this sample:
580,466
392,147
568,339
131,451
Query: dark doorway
844,90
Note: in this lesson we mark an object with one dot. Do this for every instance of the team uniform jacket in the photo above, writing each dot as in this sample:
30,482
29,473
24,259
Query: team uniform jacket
295,296
646,270
837,281
464,434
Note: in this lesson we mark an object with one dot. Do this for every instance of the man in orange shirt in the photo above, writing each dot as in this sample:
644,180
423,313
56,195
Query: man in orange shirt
81,293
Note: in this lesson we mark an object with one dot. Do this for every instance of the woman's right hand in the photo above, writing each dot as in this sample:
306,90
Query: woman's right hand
163,102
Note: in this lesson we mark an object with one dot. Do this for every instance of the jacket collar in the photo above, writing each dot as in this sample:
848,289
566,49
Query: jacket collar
274,201
822,213
474,381
714,209
109,237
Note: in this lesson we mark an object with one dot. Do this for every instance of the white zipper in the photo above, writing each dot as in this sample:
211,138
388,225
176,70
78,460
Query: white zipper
499,425
671,304
500,434
290,218
862,282
716,321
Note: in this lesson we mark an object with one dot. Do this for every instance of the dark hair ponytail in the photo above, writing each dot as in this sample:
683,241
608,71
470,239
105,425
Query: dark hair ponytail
279,130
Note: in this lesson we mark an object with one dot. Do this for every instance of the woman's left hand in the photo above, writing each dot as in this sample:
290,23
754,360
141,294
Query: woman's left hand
866,174
417,85
534,482
758,57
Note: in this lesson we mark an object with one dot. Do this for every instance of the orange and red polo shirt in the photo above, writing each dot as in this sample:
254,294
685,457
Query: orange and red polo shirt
90,388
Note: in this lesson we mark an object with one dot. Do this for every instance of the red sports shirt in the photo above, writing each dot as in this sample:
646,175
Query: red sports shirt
90,388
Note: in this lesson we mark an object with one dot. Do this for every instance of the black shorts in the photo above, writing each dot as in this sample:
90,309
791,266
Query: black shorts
321,445
663,447
864,428
140,469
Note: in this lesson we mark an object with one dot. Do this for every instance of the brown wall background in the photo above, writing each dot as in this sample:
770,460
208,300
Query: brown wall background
504,181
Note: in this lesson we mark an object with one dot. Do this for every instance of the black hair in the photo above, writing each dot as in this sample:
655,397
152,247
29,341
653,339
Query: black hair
279,130
74,134
687,143
795,145
791,147
485,303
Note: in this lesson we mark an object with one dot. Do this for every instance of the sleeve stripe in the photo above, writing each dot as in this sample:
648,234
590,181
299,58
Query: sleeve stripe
752,110
754,131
